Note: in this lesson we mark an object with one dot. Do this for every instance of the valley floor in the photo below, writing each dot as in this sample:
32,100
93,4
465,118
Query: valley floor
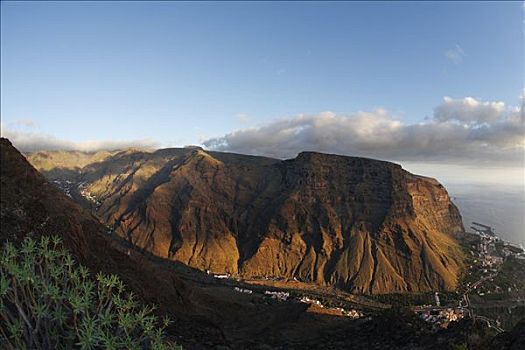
289,314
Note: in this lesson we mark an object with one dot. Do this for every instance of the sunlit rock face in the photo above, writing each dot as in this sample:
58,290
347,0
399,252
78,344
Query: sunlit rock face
363,225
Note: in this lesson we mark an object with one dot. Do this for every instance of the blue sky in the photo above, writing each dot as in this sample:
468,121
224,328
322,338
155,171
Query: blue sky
183,72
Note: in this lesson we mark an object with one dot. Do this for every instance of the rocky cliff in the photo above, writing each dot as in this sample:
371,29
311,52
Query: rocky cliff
364,225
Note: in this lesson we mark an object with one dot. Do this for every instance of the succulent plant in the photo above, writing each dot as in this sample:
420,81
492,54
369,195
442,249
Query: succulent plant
48,301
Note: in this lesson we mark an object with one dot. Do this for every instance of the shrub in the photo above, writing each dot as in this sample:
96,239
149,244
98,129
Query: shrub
47,301
461,346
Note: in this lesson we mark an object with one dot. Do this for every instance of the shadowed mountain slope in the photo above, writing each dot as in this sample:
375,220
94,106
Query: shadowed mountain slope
31,206
363,225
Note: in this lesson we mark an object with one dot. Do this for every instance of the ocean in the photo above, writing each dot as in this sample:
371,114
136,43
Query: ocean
499,206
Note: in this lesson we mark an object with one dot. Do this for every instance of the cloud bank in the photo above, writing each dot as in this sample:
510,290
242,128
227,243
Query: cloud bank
464,131
461,131
30,141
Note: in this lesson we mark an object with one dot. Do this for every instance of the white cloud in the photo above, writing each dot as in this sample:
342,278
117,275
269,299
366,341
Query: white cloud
461,131
455,55
469,110
28,141
465,130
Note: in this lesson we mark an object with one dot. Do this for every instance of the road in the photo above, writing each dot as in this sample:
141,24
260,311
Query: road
464,303
490,323
465,297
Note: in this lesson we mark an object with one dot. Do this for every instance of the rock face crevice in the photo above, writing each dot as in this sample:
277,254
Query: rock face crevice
364,225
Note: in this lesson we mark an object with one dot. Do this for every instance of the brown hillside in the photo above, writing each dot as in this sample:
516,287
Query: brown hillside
29,205
364,225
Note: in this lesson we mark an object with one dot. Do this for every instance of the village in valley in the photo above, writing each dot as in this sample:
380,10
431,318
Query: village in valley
485,280
284,296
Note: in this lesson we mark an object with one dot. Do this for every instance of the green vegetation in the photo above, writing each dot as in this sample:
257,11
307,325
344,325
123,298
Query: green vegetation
47,301
461,346
512,275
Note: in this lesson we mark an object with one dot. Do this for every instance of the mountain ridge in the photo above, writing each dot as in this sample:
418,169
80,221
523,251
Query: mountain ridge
360,224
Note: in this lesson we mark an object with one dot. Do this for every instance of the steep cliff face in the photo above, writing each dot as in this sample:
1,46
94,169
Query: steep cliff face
364,225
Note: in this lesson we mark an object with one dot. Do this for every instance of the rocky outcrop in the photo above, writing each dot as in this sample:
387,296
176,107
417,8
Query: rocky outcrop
363,225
